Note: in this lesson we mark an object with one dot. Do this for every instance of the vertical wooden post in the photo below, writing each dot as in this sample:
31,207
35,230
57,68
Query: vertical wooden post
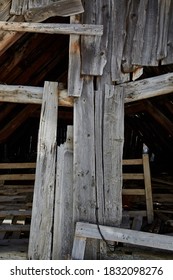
148,188
63,218
40,241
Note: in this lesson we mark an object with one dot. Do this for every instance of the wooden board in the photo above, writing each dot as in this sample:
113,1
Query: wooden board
53,28
53,8
75,80
63,213
86,230
43,202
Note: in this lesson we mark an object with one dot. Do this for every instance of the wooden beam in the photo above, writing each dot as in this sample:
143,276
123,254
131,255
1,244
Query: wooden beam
53,28
86,230
148,88
31,95
43,201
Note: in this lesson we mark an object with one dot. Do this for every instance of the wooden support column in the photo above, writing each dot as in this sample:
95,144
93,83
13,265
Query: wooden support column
63,218
40,243
84,159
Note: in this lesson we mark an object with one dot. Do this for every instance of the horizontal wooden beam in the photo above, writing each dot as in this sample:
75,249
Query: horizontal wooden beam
30,95
148,88
17,165
53,28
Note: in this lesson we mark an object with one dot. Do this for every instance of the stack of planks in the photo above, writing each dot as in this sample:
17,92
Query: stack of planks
16,194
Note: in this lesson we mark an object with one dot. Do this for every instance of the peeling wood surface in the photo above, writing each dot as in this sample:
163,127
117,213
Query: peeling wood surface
59,8
43,201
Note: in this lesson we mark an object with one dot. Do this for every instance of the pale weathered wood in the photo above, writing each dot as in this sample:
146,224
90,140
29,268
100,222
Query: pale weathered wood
148,188
147,88
78,250
43,201
84,158
63,213
94,48
54,8
75,80
113,140
86,230
120,8
31,95
169,56
53,28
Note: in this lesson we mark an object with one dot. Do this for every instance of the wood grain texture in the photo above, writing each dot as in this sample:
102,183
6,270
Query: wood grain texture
43,202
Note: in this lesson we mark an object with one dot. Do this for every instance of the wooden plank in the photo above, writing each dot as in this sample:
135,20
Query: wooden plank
59,8
78,250
22,228
53,28
169,57
17,165
75,80
132,161
86,230
133,214
17,177
133,192
16,7
119,16
133,176
31,95
137,223
148,88
113,139
148,188
63,213
43,202
94,48
84,158
145,37
12,213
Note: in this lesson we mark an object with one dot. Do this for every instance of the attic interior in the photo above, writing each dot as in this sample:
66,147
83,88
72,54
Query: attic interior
35,58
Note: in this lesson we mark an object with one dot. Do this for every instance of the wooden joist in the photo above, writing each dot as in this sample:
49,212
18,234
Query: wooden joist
12,213
134,237
5,227
31,95
53,28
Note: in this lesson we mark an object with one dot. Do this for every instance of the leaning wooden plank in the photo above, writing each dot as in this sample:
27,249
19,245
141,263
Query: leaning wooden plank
62,8
75,80
148,188
43,201
16,7
147,88
53,28
31,95
86,230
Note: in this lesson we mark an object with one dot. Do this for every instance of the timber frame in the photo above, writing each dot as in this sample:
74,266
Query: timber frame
81,181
